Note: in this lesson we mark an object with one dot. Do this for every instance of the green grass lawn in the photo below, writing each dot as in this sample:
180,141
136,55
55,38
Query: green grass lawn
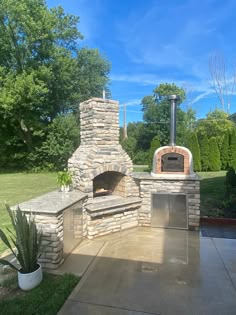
46,299
19,187
212,191
141,168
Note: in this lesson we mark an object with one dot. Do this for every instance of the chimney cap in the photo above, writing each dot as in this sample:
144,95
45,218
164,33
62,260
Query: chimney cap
173,97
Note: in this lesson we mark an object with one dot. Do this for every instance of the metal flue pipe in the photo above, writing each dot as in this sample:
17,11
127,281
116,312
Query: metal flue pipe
173,100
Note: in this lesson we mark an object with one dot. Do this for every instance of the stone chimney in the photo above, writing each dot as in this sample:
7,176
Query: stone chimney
99,151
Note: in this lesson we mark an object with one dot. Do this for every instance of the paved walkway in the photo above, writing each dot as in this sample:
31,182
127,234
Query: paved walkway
157,271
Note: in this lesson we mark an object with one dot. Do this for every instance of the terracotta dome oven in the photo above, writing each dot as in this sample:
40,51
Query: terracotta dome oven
172,159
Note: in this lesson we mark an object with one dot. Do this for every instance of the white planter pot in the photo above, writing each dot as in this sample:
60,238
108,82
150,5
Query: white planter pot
28,281
65,188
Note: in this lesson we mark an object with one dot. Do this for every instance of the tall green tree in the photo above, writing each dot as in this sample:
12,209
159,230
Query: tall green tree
129,145
214,156
215,124
155,144
42,72
204,152
224,152
232,149
193,146
156,115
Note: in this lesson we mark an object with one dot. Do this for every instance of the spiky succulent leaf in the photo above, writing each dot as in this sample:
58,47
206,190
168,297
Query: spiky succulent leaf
6,241
7,263
27,240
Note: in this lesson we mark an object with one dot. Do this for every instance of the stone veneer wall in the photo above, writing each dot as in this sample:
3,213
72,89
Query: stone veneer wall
106,224
189,187
52,231
99,150
51,226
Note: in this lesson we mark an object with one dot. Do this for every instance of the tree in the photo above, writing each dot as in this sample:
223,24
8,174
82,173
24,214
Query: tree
155,144
129,145
156,115
62,139
224,152
42,72
193,146
232,149
223,80
92,73
215,125
214,155
204,152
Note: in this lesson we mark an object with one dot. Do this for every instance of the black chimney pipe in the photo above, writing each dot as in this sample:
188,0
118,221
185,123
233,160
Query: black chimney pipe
173,100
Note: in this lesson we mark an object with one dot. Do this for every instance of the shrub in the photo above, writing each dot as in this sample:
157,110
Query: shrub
141,157
155,144
204,152
224,152
214,155
60,143
232,149
194,148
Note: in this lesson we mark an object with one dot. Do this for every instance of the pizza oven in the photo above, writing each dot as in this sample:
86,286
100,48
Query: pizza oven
172,159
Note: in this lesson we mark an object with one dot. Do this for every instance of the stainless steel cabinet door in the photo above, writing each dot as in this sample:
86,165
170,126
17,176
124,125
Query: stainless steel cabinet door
169,210
160,210
178,211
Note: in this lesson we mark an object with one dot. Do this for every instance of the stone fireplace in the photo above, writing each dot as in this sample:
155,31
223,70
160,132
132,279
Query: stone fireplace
100,166
103,171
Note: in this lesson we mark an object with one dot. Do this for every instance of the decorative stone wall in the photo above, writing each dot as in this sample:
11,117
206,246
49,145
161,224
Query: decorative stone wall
99,150
188,185
49,214
112,216
52,230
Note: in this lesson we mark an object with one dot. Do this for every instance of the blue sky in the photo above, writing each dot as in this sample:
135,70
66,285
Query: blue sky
151,42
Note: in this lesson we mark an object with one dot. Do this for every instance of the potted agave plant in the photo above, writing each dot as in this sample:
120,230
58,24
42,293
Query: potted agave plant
25,244
64,179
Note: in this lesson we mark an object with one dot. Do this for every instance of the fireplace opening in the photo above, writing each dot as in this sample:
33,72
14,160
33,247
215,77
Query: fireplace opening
109,183
172,162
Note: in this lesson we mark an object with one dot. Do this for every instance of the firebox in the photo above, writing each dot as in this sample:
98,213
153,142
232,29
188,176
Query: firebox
109,183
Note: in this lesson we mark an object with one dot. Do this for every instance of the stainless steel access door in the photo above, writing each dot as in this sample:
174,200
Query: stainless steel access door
169,210
160,210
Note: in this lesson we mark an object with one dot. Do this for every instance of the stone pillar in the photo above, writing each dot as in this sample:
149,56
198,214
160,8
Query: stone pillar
52,230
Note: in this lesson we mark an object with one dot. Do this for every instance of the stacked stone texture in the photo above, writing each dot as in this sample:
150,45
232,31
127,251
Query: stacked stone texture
126,218
51,227
189,187
99,150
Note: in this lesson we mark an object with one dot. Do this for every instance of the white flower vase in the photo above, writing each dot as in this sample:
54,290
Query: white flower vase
65,188
28,281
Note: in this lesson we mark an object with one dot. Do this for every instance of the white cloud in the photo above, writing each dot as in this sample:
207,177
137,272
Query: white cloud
131,102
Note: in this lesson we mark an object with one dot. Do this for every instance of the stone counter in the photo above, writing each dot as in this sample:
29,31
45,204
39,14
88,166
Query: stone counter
52,203
59,216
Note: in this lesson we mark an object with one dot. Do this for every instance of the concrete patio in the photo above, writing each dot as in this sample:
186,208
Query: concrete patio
153,271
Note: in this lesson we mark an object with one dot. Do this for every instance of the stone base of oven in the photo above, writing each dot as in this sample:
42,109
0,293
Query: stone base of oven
188,185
